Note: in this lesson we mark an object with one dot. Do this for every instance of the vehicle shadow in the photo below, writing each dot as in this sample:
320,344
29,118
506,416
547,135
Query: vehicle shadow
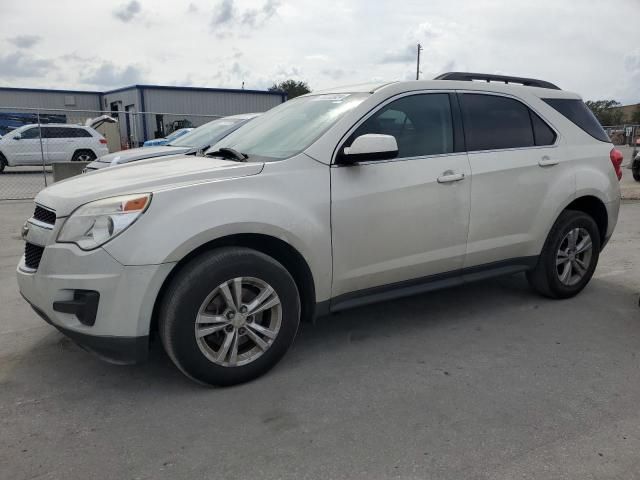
55,360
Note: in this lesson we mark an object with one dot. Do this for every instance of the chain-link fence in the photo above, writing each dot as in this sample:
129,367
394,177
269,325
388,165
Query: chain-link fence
32,140
628,134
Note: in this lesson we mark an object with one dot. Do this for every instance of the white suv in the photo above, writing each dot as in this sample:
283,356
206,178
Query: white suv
328,201
29,144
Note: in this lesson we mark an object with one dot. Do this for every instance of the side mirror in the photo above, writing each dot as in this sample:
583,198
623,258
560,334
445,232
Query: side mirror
17,137
372,146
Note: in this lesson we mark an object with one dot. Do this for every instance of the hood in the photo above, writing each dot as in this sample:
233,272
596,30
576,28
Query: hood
141,177
126,156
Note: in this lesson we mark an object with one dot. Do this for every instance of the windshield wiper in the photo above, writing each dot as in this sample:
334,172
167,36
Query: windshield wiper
229,153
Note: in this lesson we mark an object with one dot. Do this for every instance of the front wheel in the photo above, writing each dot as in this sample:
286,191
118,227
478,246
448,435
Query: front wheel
229,316
569,257
3,163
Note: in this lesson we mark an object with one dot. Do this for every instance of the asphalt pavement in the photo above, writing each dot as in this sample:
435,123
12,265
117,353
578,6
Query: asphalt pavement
485,381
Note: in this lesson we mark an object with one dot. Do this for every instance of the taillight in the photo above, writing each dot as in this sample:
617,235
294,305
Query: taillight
103,141
616,159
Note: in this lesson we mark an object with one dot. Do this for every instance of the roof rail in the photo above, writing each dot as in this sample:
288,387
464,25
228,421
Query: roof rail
487,77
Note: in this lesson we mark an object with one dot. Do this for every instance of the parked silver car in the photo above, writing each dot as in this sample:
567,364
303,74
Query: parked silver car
198,139
329,201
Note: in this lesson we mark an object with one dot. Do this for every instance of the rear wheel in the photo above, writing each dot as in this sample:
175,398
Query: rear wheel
569,257
229,316
83,156
3,163
636,174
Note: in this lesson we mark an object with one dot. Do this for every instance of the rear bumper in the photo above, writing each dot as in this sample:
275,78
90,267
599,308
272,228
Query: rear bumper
613,209
119,350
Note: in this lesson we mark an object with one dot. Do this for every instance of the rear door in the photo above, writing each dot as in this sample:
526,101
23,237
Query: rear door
406,218
58,143
515,163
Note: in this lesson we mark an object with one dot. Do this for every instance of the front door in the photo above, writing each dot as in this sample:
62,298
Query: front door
406,218
25,148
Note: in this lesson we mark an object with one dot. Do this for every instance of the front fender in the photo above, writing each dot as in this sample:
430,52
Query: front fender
291,204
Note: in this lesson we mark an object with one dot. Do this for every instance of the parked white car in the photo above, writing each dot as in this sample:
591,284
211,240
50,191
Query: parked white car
329,201
57,143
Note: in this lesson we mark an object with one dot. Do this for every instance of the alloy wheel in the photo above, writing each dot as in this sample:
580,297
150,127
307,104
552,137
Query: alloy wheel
238,321
574,256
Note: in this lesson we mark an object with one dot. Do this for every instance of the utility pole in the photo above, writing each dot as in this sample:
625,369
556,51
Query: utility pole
418,63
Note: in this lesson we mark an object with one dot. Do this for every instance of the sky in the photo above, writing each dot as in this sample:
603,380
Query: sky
587,46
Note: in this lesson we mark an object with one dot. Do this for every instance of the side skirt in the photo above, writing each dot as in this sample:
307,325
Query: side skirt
425,284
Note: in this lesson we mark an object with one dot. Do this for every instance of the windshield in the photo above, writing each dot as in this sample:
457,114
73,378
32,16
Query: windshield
178,133
291,127
207,134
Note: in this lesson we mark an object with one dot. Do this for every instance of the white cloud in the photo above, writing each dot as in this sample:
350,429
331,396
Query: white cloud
127,11
353,41
25,40
20,65
108,74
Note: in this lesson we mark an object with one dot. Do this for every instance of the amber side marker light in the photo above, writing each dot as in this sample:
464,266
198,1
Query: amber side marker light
135,205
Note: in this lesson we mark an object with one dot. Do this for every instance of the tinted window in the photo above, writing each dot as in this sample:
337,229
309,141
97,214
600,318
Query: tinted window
421,124
579,113
55,132
30,133
543,134
78,132
492,122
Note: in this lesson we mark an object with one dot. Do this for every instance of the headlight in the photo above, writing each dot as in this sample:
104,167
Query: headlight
95,223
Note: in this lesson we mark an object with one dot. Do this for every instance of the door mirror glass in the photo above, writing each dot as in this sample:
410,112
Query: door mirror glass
371,146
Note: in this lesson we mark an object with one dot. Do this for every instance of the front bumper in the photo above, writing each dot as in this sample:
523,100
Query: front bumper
119,350
127,296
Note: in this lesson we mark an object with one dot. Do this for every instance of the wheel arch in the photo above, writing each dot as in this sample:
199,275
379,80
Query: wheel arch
276,248
3,160
79,150
596,209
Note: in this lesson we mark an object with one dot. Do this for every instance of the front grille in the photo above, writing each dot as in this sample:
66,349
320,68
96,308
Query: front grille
32,255
44,215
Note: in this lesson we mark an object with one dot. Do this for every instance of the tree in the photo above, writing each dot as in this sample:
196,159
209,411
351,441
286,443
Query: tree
292,88
635,116
606,111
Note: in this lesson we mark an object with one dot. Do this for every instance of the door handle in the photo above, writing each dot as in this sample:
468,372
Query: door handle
449,176
547,162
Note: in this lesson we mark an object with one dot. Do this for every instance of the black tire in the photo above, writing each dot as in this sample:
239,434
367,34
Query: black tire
194,284
545,277
636,174
83,155
3,163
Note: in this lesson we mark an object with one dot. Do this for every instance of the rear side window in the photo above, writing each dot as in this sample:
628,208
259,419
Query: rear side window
492,122
580,115
542,133
64,132
79,132
54,132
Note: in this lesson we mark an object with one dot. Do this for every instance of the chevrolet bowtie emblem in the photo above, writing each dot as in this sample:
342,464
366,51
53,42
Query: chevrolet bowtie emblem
25,230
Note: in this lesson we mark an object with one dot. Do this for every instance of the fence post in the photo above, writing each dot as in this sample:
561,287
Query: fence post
44,171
